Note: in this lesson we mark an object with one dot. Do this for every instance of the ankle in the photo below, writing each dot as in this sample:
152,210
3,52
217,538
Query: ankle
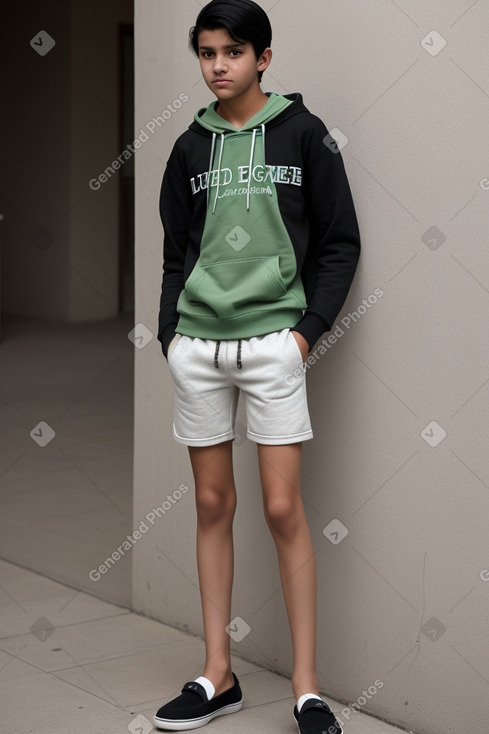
309,684
220,676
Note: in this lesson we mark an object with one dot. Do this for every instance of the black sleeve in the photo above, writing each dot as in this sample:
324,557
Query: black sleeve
175,213
334,246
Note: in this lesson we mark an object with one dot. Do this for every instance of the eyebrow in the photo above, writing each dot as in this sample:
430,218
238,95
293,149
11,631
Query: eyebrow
211,48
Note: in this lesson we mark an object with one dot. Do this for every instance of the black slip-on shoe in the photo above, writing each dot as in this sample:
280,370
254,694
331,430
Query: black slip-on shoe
193,709
316,717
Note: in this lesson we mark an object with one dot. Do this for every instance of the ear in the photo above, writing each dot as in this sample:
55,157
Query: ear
264,60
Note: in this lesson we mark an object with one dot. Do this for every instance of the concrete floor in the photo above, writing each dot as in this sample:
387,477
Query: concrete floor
66,505
70,662
73,657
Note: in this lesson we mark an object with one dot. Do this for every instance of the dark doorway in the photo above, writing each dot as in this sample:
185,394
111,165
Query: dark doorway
126,179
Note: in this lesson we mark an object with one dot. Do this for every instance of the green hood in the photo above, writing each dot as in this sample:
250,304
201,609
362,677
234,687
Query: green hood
212,121
240,144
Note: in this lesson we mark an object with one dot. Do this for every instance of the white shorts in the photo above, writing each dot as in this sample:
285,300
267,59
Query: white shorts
208,376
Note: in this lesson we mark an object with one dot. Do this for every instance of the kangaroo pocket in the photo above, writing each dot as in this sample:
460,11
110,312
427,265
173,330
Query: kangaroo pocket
232,287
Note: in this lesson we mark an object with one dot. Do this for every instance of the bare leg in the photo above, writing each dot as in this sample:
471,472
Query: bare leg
215,497
284,513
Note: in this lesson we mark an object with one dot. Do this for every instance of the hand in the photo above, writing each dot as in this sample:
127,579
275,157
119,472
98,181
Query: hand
302,343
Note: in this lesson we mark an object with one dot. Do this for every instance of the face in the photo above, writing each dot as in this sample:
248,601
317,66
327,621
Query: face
229,69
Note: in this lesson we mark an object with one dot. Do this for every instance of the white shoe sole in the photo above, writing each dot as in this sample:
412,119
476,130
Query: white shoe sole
187,724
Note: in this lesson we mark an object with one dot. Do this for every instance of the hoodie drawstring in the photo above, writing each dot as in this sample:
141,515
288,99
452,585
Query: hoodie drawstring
219,163
238,358
211,163
251,168
263,138
213,147
221,149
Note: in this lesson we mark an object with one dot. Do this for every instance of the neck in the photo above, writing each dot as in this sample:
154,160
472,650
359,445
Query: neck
239,110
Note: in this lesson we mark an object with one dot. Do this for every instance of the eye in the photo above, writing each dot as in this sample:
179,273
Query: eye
235,52
206,54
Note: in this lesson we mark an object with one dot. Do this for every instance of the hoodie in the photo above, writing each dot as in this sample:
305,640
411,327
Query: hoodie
260,227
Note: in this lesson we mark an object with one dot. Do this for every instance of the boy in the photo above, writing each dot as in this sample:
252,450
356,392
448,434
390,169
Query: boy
261,246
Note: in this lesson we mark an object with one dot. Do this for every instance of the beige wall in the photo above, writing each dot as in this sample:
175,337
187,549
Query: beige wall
403,598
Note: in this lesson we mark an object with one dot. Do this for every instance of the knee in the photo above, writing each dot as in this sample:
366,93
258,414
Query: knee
283,514
215,504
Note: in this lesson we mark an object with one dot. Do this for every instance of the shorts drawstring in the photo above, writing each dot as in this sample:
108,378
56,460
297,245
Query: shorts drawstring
216,353
238,359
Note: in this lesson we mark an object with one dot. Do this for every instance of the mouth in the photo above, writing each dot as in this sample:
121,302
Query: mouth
221,82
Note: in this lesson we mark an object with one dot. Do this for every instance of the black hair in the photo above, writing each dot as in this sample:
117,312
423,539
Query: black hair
244,20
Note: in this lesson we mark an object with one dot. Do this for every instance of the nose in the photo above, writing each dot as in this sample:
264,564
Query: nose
220,64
